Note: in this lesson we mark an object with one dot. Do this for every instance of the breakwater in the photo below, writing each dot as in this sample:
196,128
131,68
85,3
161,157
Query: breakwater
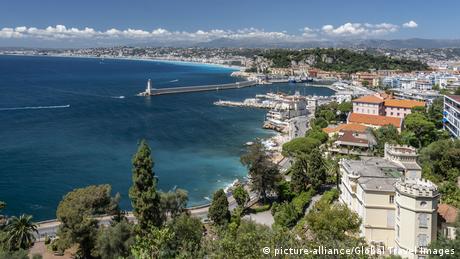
200,88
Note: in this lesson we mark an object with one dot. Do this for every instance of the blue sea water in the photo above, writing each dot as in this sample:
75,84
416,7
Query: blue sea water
45,153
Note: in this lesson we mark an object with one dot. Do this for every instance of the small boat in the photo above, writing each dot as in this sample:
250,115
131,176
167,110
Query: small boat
249,143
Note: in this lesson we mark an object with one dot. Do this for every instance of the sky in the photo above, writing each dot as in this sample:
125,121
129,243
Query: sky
53,23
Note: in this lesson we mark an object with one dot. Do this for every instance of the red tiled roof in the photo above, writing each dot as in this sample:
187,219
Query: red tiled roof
346,127
447,212
376,120
404,103
368,99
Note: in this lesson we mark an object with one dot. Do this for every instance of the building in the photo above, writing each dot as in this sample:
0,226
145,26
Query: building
416,216
447,219
451,114
374,121
369,104
397,207
353,139
366,78
400,108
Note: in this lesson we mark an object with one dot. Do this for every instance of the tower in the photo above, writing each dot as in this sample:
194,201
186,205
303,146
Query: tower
416,216
148,91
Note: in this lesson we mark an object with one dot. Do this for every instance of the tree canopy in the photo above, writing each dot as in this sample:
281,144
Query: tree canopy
341,60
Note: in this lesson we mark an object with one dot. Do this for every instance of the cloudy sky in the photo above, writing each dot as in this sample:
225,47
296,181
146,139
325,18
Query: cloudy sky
52,23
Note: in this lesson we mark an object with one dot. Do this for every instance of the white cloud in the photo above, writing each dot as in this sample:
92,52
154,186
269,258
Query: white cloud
359,29
61,32
410,24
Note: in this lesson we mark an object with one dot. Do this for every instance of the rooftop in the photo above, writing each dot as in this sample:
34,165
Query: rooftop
346,127
376,173
403,103
376,120
448,213
369,99
454,97
373,167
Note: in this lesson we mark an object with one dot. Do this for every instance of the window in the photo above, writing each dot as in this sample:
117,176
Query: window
423,220
423,204
399,210
392,199
422,240
397,230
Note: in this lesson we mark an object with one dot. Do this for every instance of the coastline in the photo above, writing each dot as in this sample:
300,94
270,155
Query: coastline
157,59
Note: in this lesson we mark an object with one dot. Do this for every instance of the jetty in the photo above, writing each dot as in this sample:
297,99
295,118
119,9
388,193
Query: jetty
150,91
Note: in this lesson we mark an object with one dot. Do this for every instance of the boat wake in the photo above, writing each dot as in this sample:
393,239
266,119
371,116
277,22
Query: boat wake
118,97
173,81
35,107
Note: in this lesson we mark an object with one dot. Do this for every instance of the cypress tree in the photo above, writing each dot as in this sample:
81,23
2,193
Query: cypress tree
144,198
218,211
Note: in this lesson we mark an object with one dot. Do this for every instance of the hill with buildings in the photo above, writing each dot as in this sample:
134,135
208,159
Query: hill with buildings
340,60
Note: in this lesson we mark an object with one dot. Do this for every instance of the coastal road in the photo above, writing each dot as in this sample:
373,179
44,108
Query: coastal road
50,227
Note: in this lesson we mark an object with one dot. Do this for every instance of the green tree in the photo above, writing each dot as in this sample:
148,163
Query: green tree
20,232
419,131
435,110
263,173
188,234
386,134
173,203
218,211
333,222
114,241
77,212
317,133
153,243
344,108
241,196
299,174
316,169
302,145
144,198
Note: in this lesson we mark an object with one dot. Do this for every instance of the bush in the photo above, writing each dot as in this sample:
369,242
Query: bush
328,197
287,214
301,201
258,209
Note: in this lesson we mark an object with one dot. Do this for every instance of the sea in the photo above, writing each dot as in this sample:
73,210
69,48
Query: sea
67,123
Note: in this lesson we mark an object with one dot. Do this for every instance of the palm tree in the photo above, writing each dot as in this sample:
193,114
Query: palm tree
20,232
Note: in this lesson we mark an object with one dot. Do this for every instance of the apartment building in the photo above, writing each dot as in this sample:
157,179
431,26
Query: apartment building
369,104
398,208
451,114
400,108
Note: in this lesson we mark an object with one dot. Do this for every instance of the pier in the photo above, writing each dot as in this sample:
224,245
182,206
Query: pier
188,89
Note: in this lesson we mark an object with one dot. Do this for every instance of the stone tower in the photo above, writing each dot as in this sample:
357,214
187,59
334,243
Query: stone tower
416,216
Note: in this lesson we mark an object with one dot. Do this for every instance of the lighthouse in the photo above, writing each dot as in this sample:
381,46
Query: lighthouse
148,91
